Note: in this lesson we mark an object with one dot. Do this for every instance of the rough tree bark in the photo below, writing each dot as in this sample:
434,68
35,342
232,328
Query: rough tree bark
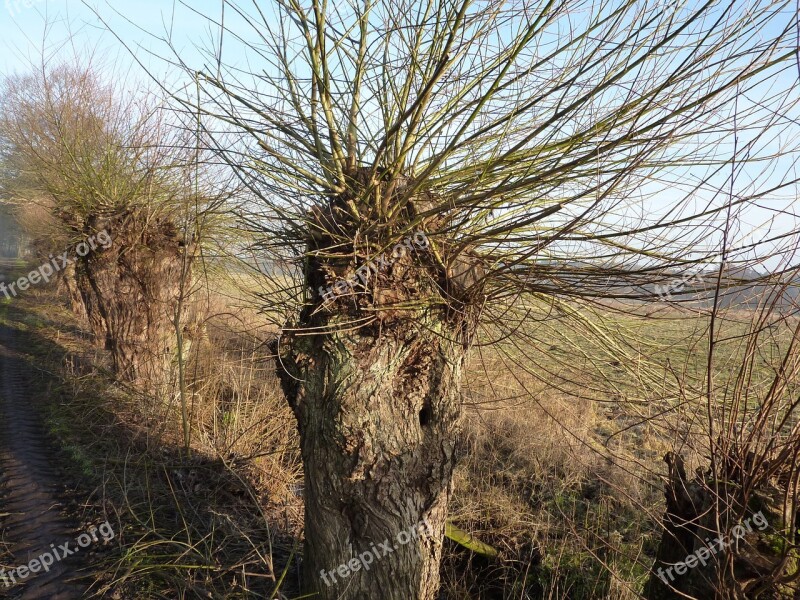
130,292
379,412
700,519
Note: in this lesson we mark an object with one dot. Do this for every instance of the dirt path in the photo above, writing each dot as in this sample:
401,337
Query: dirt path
30,510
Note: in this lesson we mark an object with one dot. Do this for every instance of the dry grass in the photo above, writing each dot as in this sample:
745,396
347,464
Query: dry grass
568,514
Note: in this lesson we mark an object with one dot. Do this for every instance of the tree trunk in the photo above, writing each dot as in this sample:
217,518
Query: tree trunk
379,414
130,292
721,542
684,504
372,371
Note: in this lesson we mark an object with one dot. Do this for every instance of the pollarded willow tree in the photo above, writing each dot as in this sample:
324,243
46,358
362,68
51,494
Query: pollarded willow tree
435,169
82,158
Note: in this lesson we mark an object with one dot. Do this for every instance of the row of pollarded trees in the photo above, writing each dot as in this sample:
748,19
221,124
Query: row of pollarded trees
526,139
81,160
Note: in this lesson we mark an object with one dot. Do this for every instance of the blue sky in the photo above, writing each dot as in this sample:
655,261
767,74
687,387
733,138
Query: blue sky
23,29
26,26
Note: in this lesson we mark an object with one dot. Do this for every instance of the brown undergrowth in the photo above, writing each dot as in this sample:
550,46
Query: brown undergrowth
566,489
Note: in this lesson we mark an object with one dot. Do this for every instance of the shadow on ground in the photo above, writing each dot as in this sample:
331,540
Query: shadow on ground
187,527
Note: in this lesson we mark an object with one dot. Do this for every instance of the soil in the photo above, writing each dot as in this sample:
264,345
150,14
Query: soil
33,513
